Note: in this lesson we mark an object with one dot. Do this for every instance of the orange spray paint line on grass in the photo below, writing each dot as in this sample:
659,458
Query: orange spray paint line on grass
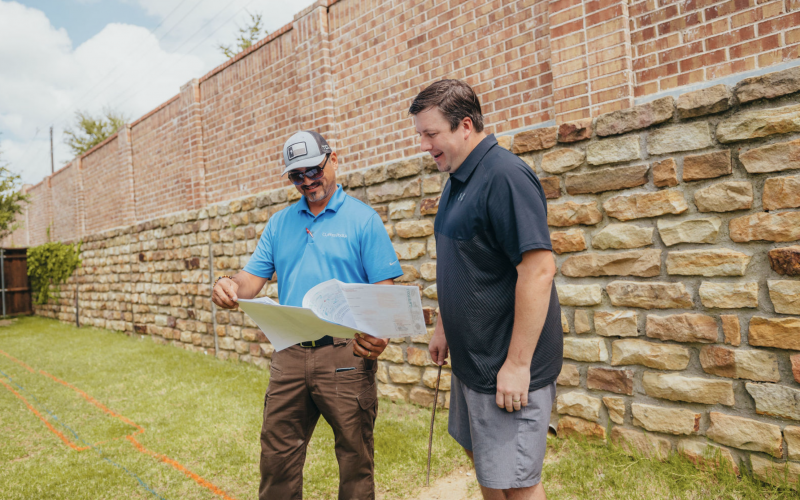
48,424
130,437
199,480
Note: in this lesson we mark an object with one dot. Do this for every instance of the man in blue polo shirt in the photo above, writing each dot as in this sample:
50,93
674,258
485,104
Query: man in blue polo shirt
326,235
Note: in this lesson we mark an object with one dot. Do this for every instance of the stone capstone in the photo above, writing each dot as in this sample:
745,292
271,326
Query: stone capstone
649,295
689,389
403,168
616,408
689,231
635,118
643,205
650,354
571,213
572,240
667,420
505,141
759,123
616,323
781,192
569,376
785,296
728,295
785,260
607,179
579,405
534,140
772,158
783,333
779,227
725,197
714,262
579,295
616,150
683,137
769,86
665,173
562,160
707,166
645,263
761,366
704,102
687,327
394,190
414,228
745,434
607,379
575,131
588,350
622,236
775,400
640,444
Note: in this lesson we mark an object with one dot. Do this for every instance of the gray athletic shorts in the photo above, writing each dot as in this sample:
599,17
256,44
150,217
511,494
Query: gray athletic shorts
508,447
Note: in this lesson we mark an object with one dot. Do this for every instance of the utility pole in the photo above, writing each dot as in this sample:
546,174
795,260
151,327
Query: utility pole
52,164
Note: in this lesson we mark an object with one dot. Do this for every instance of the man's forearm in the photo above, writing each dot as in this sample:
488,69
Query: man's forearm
249,285
530,311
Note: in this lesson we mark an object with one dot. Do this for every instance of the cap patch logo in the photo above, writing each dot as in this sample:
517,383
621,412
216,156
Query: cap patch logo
296,150
325,148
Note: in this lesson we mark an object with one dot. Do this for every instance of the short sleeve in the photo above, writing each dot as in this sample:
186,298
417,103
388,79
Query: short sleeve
261,263
377,253
517,211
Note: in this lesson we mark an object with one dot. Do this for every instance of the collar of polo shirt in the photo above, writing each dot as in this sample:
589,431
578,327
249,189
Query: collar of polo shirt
474,157
333,205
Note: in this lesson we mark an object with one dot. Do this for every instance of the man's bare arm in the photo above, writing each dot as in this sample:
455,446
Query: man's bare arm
534,283
243,285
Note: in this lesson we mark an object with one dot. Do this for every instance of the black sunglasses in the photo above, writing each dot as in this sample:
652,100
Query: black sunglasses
313,173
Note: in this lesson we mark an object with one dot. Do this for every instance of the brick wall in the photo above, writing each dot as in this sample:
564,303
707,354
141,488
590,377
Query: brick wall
350,69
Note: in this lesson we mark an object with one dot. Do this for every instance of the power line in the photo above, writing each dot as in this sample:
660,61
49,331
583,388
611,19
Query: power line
141,88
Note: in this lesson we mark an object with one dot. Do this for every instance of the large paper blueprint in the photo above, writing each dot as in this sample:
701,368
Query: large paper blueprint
340,310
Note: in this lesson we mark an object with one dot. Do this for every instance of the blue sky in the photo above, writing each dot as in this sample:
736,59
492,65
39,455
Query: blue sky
61,56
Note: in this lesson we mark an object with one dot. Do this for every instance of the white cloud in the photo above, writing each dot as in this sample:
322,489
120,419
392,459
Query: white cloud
45,80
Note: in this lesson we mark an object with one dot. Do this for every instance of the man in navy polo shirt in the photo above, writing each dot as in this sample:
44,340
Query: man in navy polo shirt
326,235
500,318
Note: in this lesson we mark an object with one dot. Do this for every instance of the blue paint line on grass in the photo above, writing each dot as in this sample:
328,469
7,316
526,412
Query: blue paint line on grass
95,448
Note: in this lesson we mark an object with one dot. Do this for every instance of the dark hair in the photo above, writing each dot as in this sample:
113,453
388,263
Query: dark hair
454,98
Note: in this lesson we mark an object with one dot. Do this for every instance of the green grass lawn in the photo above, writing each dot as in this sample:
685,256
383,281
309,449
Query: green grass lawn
203,413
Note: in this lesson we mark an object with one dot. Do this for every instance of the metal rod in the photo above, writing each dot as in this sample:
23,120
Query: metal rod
3,277
77,313
433,418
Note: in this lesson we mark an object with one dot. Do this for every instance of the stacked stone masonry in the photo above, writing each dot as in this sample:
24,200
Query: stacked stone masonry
675,223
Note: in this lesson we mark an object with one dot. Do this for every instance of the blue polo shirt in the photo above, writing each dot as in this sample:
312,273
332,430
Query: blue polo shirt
346,241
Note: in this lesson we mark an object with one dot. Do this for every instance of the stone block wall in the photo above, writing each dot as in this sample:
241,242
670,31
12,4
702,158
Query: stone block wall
675,226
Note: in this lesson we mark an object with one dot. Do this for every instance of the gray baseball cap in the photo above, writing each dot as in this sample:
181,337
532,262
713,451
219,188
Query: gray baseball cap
303,150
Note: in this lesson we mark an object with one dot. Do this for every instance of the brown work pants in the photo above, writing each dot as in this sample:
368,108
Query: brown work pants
303,384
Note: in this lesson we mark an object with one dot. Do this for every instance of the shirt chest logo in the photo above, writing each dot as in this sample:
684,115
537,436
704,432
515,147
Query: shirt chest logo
461,196
334,235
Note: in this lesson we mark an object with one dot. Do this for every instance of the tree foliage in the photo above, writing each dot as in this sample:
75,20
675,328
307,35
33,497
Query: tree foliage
88,131
248,35
11,199
49,265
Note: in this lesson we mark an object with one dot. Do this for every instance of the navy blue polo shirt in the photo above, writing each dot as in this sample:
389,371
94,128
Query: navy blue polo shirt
347,241
492,210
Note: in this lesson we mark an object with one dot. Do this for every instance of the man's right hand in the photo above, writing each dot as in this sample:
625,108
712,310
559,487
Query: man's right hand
225,294
438,344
